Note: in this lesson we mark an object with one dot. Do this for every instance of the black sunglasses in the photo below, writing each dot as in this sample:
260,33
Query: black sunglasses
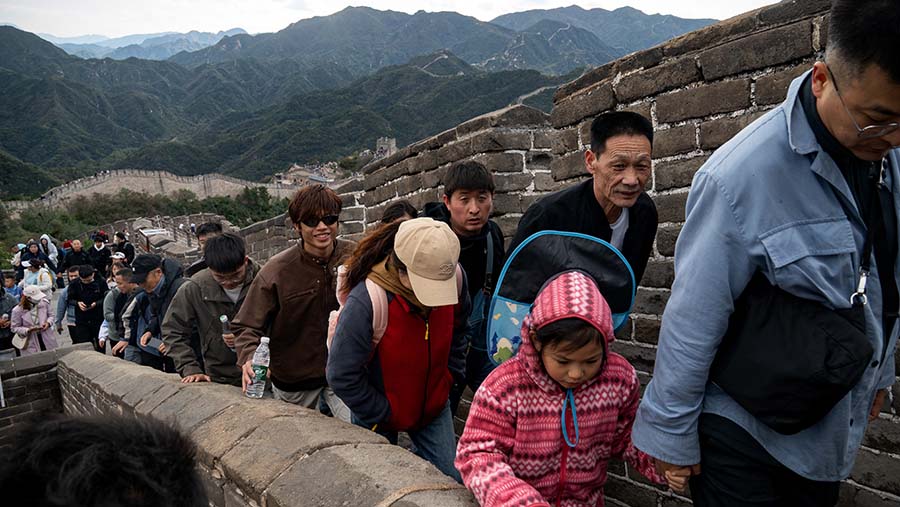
314,221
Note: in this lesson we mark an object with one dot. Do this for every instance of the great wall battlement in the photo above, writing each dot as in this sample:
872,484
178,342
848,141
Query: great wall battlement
699,90
153,182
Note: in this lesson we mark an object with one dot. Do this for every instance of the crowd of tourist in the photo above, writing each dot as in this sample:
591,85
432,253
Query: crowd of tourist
387,334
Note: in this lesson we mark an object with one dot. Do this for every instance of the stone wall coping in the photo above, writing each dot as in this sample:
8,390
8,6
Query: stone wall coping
697,41
265,452
36,363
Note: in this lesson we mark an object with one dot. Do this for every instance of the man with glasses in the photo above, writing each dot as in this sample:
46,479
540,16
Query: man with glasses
219,290
792,197
290,300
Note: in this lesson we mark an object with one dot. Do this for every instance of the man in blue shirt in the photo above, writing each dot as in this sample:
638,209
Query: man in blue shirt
788,197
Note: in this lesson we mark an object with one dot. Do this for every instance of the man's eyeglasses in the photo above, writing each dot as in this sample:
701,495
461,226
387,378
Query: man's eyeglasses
870,132
314,221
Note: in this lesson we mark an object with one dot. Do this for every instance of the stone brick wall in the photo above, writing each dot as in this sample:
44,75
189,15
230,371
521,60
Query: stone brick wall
260,452
699,90
31,391
516,143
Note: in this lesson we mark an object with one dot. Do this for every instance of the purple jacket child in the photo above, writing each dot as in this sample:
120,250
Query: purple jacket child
34,311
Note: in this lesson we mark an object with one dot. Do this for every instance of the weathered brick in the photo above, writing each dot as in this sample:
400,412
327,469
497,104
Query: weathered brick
508,224
494,140
715,133
879,471
352,228
883,435
543,140
650,301
629,493
676,173
544,182
642,358
711,35
409,184
784,12
646,330
353,214
641,108
757,51
659,274
626,331
675,140
507,203
425,161
664,77
511,182
670,207
565,141
590,102
585,81
643,59
772,88
502,162
568,166
854,496
473,125
453,152
433,178
354,185
538,161
722,97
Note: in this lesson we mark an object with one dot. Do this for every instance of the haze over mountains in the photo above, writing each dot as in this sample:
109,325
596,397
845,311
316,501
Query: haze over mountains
320,89
159,46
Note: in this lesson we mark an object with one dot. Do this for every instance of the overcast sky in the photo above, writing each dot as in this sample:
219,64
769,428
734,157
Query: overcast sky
114,18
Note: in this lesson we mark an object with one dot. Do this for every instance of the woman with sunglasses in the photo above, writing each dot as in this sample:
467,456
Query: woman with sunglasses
290,300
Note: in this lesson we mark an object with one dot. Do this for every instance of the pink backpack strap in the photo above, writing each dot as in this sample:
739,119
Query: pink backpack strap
379,311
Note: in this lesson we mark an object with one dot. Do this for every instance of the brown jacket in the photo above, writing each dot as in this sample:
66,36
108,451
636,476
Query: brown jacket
289,301
198,304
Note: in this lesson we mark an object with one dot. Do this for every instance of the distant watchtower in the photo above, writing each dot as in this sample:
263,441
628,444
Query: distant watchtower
385,146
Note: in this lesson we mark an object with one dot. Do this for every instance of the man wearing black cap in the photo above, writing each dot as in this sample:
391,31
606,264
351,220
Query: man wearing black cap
160,279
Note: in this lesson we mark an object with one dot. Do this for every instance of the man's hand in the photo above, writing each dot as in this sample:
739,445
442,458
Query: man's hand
877,404
162,348
145,338
247,375
82,306
228,339
119,347
676,475
4,323
197,377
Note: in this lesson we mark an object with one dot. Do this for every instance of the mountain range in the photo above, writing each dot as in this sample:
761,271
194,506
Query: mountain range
148,47
249,105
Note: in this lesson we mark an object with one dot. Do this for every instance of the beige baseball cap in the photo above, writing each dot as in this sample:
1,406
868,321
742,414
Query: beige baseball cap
430,251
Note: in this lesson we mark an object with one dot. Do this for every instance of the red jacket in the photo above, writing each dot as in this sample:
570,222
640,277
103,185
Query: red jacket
512,450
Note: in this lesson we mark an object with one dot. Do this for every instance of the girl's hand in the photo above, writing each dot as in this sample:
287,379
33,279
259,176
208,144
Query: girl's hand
677,478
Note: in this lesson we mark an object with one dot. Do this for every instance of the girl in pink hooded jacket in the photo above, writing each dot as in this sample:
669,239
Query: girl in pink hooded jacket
544,425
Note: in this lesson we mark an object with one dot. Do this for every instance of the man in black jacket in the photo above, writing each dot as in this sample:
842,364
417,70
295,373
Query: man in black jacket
612,205
124,246
101,256
77,257
467,204
88,293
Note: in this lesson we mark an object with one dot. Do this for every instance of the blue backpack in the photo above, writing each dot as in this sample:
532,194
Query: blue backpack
535,261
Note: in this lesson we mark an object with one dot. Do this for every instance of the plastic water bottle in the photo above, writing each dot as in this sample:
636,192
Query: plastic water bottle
226,328
260,368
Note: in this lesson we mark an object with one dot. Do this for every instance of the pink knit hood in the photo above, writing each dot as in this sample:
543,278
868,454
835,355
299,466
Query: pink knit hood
571,294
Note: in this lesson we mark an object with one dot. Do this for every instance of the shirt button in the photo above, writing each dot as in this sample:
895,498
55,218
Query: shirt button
875,364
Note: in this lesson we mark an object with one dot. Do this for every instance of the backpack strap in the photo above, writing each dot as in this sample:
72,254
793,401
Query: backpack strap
379,311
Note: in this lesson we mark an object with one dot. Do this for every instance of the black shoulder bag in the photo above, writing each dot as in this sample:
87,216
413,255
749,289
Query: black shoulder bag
789,360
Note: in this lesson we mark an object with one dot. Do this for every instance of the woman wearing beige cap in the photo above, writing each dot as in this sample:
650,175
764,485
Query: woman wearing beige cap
399,341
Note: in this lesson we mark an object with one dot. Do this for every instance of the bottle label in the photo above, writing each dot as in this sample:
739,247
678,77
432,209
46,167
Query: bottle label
259,372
